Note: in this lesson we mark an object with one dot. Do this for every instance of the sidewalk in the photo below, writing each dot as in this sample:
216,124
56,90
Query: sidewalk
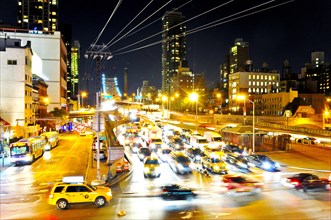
91,172
305,157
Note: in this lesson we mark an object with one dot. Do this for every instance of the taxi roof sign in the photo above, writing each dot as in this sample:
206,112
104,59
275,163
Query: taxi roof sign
73,179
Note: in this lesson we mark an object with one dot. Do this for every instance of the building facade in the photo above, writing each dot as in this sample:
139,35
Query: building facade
38,15
51,64
251,83
173,47
16,90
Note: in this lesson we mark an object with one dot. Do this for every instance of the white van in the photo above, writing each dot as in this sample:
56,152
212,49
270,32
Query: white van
198,141
214,138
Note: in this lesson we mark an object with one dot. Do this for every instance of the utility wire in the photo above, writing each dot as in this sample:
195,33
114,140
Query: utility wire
139,24
106,46
157,34
175,9
99,35
203,27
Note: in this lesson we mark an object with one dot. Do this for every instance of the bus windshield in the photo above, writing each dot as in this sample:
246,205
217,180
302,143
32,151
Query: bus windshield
19,150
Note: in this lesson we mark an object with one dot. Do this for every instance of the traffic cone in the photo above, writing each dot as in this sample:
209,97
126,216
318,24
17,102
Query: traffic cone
119,167
126,166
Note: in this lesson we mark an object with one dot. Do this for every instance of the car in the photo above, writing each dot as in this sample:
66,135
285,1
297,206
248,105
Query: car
82,133
73,190
163,154
180,162
306,181
194,153
263,162
135,147
177,192
102,155
214,164
239,183
232,149
236,162
152,167
143,152
176,143
210,151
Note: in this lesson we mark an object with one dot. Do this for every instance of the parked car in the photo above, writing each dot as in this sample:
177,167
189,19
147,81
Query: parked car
307,181
102,155
262,162
238,183
143,152
177,192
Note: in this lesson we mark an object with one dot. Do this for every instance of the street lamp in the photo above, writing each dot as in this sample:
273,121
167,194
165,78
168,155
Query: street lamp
244,98
84,94
194,98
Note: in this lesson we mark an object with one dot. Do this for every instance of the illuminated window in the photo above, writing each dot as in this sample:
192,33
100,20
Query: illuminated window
249,76
253,76
253,83
258,77
258,83
269,77
249,83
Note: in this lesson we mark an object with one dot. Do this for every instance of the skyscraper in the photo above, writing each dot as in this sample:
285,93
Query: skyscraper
75,50
173,46
38,15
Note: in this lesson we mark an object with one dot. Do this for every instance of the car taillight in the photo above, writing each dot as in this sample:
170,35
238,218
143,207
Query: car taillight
164,190
295,183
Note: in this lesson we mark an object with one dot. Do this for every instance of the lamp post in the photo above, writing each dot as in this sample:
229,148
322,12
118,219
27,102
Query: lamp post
244,98
194,98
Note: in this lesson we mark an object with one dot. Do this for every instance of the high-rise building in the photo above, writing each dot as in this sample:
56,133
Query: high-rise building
173,47
75,51
236,60
38,15
239,54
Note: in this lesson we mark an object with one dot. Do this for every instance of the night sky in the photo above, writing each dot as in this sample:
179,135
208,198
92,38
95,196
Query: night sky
291,31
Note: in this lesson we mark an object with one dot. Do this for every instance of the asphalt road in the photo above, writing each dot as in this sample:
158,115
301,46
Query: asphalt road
24,190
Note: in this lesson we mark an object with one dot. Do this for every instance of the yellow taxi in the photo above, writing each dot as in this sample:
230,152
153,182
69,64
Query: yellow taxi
214,163
73,190
152,166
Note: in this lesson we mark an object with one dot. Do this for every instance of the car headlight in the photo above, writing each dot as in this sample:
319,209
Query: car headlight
28,157
277,165
266,165
180,166
242,165
109,194
146,169
216,167
198,157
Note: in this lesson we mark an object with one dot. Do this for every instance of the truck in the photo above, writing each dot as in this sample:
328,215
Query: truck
213,138
148,134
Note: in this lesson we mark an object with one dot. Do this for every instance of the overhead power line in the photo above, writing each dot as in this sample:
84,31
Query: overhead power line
209,25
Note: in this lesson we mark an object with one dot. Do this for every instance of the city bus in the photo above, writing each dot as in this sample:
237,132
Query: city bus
52,139
27,150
